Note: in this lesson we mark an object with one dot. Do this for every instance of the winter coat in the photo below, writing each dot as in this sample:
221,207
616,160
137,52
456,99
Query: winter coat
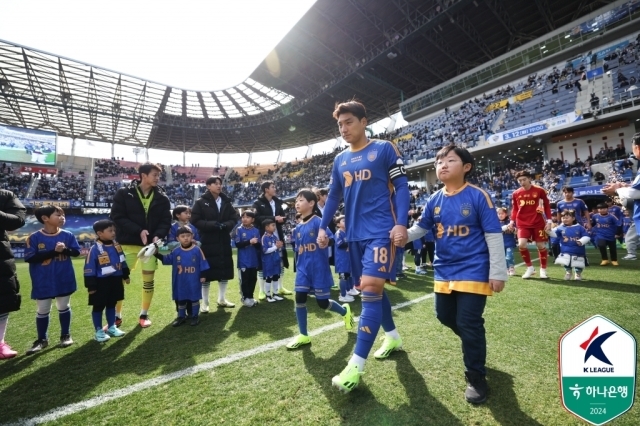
264,211
215,234
128,214
12,214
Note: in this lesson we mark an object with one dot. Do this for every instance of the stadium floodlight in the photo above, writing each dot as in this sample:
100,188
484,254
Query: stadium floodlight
198,45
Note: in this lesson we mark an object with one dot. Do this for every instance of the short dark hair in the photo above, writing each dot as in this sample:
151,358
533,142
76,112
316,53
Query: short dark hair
265,185
321,191
146,168
569,212
213,179
184,230
46,211
635,139
602,206
308,195
523,173
567,189
249,213
102,224
464,155
178,210
338,219
267,222
354,107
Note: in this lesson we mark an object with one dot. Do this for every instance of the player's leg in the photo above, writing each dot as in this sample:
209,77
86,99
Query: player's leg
508,255
474,344
148,284
281,289
110,314
567,273
431,251
131,253
64,315
96,317
523,239
262,294
323,298
301,288
602,246
578,274
43,308
345,297
613,251
543,253
631,241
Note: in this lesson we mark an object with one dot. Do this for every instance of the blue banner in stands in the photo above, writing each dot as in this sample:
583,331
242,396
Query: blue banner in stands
533,128
588,190
595,73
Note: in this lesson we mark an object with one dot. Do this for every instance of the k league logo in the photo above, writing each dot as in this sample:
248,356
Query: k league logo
597,363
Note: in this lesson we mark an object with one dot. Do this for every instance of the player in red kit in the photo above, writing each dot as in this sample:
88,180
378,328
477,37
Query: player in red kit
531,215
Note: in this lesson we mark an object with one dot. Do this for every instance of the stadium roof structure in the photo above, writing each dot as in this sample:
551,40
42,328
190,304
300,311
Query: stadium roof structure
379,52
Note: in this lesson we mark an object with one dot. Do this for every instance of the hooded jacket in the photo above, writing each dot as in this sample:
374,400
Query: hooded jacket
215,228
128,214
12,214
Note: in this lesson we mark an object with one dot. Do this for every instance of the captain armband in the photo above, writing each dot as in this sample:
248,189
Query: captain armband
397,170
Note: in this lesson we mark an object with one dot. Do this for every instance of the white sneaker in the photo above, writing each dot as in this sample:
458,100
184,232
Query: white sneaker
270,299
346,299
511,271
249,303
543,274
630,257
276,298
578,277
204,309
567,276
529,272
353,292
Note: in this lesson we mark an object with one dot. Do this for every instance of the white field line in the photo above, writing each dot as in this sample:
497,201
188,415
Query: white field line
66,410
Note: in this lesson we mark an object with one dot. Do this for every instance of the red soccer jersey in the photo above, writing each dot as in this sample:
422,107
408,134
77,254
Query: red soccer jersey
526,210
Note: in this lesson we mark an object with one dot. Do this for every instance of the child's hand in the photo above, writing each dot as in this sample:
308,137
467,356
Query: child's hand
128,280
203,280
279,244
92,291
60,247
254,240
579,243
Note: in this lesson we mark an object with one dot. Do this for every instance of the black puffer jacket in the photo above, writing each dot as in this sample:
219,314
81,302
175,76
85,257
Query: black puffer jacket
264,211
215,228
12,214
128,214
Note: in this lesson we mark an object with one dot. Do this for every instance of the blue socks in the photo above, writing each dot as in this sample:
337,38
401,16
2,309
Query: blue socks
110,313
97,320
370,321
344,287
65,321
195,308
337,308
387,319
301,315
42,325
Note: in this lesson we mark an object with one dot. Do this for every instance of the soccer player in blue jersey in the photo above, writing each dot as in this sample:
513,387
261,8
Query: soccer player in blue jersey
247,241
370,176
182,216
343,263
105,269
313,272
48,254
629,191
469,260
605,227
575,204
573,238
509,238
188,273
271,260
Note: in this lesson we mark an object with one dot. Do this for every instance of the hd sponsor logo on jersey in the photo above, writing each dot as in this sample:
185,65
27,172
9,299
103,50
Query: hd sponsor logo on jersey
597,360
358,175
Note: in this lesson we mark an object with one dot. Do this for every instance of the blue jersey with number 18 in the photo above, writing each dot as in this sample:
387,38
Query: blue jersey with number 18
363,177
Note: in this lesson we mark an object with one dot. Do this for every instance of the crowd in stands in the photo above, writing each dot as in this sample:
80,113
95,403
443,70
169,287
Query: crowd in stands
112,168
18,184
61,188
103,191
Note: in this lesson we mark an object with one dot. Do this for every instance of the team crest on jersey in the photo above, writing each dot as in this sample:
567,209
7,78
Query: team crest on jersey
178,258
465,209
311,234
535,195
436,210
41,246
244,234
372,155
298,235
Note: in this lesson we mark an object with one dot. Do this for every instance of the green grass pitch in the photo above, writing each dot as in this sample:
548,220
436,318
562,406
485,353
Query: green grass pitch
422,385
